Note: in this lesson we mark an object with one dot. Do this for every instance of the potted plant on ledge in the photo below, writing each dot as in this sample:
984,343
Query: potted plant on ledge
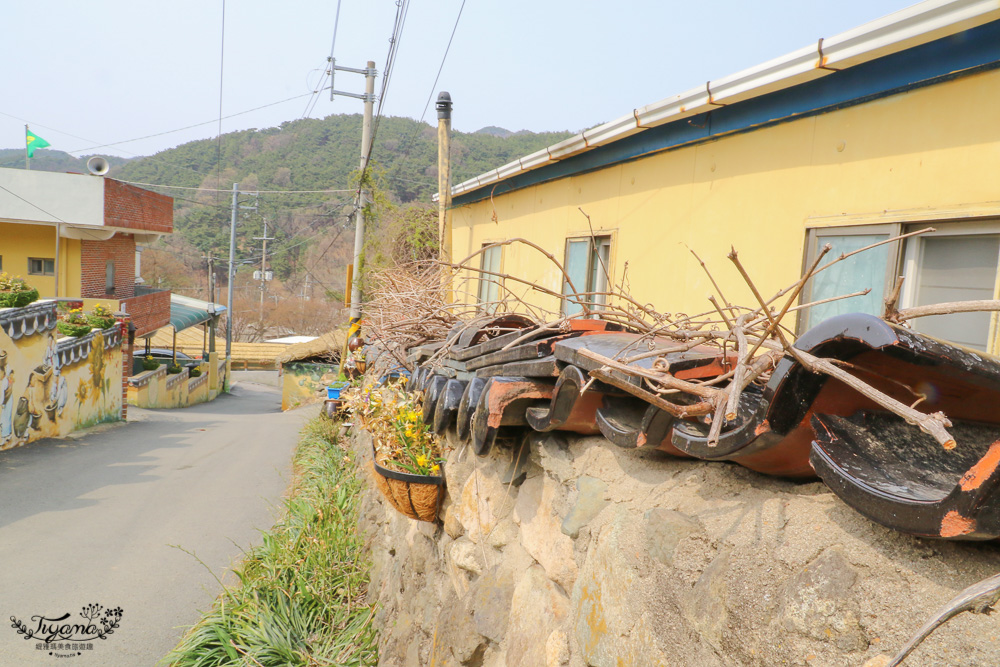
14,292
407,456
74,323
100,317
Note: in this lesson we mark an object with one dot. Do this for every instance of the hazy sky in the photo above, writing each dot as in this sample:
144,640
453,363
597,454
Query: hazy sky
85,74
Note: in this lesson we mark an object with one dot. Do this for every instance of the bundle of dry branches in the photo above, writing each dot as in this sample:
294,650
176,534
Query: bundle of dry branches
756,334
407,306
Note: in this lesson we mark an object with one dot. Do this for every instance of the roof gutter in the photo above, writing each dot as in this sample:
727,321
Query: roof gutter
902,30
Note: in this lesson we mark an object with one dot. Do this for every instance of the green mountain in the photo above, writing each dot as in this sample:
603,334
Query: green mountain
308,229
322,154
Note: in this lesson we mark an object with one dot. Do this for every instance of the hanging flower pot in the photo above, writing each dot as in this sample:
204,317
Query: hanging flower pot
407,457
416,496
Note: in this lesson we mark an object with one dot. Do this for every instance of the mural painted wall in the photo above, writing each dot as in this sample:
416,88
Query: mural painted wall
52,385
305,383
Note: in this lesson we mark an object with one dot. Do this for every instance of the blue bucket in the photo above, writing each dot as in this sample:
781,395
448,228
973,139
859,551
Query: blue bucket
333,391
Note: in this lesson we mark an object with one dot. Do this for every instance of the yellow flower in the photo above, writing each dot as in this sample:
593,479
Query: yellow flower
435,469
421,460
414,416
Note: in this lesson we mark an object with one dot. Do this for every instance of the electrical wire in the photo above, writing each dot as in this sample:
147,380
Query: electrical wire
402,9
273,192
408,147
160,134
31,203
313,100
222,61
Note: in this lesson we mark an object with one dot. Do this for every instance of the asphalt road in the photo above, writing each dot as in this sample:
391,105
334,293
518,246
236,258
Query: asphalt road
108,519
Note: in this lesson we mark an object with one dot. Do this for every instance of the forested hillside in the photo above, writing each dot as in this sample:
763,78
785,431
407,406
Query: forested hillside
311,233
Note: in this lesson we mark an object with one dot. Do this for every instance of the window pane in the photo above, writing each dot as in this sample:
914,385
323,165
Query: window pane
957,268
577,256
489,285
599,263
862,271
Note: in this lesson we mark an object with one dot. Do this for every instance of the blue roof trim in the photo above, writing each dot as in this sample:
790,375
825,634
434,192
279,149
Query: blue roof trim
958,55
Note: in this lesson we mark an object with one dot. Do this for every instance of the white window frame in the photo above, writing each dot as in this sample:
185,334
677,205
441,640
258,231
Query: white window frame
904,257
485,281
603,280
814,241
911,261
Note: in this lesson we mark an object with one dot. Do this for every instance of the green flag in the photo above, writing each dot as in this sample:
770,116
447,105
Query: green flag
34,141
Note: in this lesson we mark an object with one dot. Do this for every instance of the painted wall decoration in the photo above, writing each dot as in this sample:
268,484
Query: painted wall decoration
52,385
305,383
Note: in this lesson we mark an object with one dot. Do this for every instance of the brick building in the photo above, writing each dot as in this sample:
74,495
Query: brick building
74,235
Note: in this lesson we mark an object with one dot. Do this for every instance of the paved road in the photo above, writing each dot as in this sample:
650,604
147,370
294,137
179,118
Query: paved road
94,520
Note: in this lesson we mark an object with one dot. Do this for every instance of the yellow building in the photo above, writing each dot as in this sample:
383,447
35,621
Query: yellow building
888,128
75,235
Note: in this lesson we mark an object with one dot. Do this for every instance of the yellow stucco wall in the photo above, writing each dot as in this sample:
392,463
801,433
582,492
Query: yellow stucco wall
18,242
928,153
158,389
39,397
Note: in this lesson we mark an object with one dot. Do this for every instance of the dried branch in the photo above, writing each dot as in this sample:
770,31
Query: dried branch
950,308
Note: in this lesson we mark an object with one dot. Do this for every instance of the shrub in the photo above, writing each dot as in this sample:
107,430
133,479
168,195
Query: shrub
15,293
195,372
174,369
74,323
150,364
100,317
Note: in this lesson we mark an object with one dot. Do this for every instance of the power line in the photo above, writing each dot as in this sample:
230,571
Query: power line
409,144
30,203
329,72
222,60
160,134
402,9
282,192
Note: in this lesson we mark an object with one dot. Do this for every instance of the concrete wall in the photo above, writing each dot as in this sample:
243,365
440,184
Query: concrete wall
159,389
50,387
610,557
929,154
72,198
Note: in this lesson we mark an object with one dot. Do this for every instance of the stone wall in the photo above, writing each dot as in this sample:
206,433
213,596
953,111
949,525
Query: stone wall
597,555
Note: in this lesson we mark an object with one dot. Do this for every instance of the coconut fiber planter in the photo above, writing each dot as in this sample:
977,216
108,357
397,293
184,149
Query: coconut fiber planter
417,496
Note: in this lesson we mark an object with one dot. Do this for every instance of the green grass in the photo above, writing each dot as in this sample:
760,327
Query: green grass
302,594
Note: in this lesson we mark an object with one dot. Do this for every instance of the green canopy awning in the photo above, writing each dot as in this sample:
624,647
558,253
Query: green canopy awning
187,312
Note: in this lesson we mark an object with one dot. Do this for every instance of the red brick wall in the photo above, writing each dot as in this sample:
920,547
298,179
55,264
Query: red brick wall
93,259
134,208
127,351
149,312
